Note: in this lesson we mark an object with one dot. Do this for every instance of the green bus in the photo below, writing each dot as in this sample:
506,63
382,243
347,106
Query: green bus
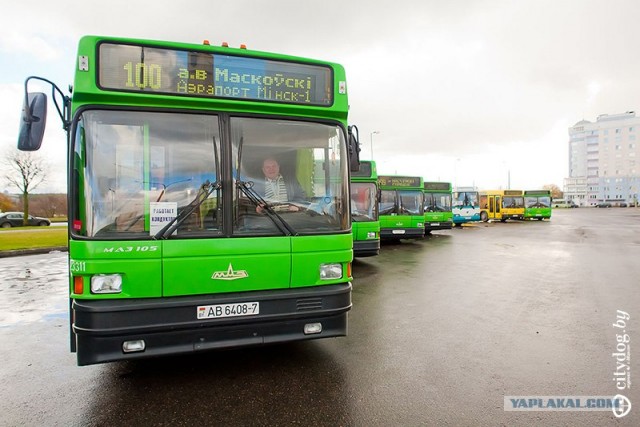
537,204
437,206
401,207
179,241
364,210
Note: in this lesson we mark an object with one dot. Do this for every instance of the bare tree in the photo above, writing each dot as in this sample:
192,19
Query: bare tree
48,205
28,171
556,193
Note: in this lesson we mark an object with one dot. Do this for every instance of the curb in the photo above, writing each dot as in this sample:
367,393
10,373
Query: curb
34,251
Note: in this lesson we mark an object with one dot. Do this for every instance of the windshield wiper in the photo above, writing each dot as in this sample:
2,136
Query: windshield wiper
257,200
357,217
203,194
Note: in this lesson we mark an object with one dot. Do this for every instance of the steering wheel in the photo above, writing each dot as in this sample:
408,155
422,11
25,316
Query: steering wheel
280,207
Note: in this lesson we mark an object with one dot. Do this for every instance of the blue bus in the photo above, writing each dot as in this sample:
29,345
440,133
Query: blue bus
466,205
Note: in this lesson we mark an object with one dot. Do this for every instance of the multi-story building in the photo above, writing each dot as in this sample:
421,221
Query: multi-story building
604,160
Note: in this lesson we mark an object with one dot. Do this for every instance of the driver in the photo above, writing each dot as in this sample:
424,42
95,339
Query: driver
276,188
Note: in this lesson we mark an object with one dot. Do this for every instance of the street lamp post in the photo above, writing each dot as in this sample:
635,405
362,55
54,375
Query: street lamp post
376,132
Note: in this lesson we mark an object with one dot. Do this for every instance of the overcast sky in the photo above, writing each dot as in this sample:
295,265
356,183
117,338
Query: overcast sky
465,91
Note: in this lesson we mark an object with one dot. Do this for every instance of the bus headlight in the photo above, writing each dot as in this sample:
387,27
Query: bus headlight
330,271
106,284
371,235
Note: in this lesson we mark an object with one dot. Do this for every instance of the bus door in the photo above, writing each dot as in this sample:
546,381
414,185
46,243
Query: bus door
494,207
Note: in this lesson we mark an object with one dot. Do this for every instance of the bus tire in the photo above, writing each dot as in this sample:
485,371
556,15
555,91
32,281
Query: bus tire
484,217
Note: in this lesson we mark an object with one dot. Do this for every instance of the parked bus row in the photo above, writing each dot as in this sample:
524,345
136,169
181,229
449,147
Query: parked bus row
385,207
515,204
408,208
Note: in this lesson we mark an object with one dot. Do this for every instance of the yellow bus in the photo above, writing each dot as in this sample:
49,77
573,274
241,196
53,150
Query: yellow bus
501,205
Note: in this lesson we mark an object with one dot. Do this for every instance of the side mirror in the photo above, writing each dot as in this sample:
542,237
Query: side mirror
33,122
354,148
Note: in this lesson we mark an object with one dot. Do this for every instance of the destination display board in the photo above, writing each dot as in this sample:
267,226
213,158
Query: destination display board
537,192
156,70
437,186
364,171
513,192
400,181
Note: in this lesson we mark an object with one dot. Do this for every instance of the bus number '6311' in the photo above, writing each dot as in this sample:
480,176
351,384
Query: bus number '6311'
123,249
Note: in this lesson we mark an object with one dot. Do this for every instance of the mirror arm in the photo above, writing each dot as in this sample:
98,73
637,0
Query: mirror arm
353,138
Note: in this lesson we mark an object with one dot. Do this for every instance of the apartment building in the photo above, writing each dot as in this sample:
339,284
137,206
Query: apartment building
604,160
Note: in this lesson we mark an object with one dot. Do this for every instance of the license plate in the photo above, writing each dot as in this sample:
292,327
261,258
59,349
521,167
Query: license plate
228,310
398,232
435,224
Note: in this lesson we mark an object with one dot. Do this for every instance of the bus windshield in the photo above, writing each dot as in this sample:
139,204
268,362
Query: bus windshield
437,202
363,201
410,202
142,168
537,201
145,168
512,202
308,192
466,198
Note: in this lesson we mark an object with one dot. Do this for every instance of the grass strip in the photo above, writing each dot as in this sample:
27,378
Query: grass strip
37,237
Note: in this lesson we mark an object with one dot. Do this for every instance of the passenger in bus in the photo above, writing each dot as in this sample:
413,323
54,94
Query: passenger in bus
275,188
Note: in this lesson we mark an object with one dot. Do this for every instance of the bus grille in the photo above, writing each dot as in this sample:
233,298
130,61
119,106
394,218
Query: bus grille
304,304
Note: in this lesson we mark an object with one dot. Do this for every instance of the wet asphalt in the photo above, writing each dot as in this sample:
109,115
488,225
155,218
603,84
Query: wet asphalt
440,331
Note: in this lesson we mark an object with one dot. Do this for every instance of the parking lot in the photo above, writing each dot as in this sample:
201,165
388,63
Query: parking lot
441,330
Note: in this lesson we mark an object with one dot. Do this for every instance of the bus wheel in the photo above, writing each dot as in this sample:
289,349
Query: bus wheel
484,217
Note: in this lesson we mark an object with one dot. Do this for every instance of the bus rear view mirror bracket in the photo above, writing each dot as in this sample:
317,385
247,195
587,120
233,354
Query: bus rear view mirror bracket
354,148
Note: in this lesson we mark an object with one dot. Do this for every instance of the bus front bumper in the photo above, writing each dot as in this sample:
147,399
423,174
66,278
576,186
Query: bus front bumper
170,325
444,225
364,248
513,216
401,233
